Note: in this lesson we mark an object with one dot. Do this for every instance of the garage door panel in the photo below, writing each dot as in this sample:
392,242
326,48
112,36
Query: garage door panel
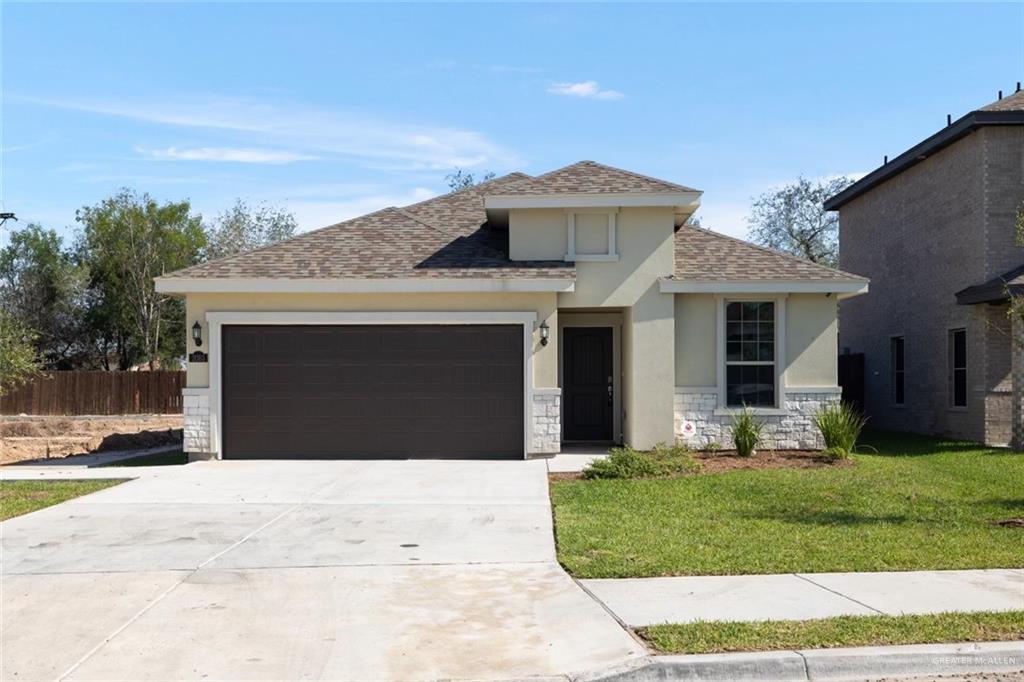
373,391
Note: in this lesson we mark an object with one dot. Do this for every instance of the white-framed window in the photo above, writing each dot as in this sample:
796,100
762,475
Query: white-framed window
750,358
897,379
957,343
592,235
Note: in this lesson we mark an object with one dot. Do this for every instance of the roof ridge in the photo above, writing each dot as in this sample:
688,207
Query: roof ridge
770,250
403,212
635,174
475,187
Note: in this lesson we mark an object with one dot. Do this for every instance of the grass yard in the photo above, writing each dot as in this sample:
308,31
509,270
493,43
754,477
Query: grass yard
716,637
22,497
919,503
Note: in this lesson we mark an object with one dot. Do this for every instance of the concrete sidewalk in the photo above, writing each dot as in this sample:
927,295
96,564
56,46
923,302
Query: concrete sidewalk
649,601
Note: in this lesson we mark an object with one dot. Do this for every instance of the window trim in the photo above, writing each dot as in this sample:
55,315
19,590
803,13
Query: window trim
952,369
723,408
893,370
612,254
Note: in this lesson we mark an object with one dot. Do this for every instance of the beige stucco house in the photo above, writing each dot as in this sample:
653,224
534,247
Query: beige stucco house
503,321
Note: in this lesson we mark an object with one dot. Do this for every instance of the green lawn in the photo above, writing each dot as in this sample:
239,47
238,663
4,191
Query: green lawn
22,497
920,503
163,459
716,637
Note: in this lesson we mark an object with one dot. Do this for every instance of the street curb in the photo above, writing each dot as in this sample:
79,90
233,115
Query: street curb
821,664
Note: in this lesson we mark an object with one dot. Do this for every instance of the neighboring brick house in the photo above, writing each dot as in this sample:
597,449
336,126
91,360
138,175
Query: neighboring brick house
934,231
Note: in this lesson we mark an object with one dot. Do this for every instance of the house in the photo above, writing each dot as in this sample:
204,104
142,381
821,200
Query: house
934,230
504,320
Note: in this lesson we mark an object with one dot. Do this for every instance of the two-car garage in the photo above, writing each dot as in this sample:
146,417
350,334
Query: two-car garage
334,391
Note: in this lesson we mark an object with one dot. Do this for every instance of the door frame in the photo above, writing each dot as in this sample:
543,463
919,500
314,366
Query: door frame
215,320
567,318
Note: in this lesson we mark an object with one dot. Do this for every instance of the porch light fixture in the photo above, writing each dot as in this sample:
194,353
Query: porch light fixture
197,333
545,331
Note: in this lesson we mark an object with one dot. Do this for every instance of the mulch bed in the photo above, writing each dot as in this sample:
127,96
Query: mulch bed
728,460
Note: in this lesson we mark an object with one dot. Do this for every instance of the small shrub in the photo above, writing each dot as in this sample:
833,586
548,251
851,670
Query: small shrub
840,426
713,447
746,432
627,462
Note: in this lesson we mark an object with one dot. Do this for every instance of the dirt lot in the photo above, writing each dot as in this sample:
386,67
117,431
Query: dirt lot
23,438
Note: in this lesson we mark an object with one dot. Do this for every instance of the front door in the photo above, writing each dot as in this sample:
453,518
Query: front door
588,383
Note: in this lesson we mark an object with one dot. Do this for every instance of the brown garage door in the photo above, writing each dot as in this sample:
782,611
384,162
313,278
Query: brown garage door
372,391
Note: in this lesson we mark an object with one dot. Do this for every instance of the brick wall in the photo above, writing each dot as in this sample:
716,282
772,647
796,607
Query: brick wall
921,236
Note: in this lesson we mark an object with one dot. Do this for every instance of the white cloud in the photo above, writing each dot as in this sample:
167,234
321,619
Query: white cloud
230,154
314,214
309,130
585,89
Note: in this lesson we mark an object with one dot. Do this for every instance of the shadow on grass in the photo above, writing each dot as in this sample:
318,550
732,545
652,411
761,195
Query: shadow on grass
833,518
898,444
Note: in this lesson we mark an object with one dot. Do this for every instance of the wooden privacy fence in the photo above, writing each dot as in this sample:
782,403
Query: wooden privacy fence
97,393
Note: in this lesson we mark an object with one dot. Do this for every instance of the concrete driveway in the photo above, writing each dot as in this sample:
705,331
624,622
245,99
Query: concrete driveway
394,570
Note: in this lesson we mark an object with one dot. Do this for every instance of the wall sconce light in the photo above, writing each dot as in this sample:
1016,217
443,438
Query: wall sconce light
545,331
197,333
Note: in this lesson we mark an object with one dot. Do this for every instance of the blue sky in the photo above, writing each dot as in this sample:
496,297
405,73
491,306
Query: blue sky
335,110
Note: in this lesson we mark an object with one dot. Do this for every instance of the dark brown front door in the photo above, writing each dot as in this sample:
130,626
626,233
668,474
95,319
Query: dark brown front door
373,391
587,378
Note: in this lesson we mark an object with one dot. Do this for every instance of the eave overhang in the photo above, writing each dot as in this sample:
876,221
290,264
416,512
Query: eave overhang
923,150
845,289
183,285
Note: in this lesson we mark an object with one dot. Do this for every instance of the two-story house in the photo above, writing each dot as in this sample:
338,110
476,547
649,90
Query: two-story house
504,320
934,230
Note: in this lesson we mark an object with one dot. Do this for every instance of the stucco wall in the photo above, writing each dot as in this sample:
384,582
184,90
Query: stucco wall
811,352
545,358
696,319
537,234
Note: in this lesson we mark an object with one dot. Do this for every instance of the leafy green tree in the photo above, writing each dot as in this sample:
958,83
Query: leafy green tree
126,241
245,227
792,219
45,290
460,179
18,359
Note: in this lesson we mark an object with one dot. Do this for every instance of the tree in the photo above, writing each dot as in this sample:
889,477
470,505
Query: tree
18,359
45,290
792,219
126,241
463,180
244,228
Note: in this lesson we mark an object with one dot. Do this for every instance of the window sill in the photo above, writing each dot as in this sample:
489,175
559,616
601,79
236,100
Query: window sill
596,257
756,411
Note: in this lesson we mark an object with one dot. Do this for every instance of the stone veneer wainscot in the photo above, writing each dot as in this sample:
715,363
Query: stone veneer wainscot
196,404
546,415
790,429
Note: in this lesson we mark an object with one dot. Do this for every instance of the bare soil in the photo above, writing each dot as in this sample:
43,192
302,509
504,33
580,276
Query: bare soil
714,463
24,438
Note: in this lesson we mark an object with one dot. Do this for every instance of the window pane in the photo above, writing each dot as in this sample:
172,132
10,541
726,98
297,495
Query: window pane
960,388
899,388
766,352
733,351
750,311
766,330
766,311
752,385
733,331
750,331
959,348
899,353
733,312
750,351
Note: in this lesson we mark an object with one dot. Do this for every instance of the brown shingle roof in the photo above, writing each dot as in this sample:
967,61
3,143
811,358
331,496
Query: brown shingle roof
440,237
588,177
706,256
1014,102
